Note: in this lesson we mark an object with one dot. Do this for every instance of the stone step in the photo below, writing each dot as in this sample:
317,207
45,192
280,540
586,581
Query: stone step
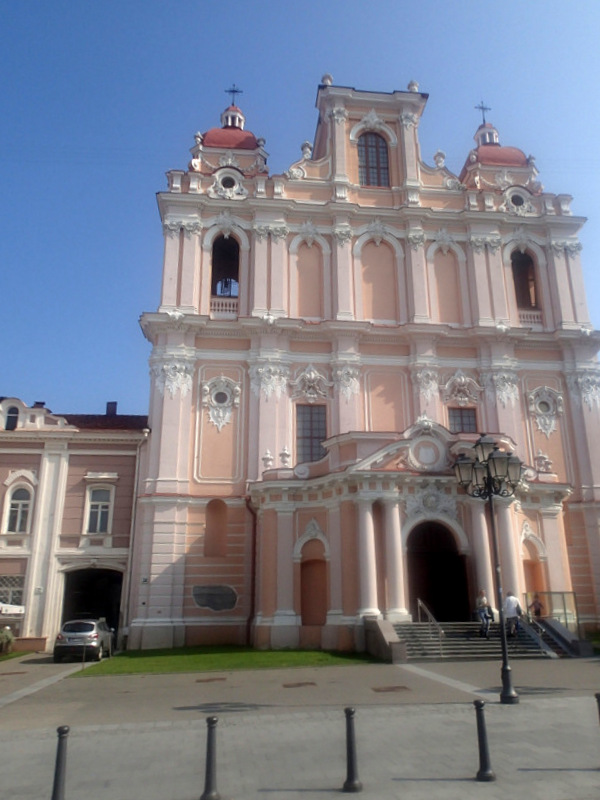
461,640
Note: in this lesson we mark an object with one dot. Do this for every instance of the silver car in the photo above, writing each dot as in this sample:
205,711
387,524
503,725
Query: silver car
84,638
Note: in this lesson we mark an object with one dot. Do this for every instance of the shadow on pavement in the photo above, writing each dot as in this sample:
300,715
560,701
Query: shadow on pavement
217,708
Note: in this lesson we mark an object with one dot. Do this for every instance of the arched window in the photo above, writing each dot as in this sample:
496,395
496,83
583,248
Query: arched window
18,511
225,267
215,535
523,270
373,163
12,417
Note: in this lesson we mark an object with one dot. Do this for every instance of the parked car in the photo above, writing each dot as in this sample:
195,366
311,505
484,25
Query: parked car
84,638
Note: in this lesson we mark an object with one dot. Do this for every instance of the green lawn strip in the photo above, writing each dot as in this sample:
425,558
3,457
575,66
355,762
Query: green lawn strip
8,656
211,659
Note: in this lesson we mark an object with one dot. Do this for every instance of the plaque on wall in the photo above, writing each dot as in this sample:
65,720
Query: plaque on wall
217,598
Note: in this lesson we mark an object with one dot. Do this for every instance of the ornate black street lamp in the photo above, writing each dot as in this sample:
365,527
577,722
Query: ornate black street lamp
492,473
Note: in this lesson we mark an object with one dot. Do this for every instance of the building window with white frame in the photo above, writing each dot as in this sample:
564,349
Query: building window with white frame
19,510
373,163
11,589
99,513
311,430
462,420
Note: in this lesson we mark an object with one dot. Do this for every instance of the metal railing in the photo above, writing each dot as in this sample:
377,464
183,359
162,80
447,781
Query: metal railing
434,626
561,606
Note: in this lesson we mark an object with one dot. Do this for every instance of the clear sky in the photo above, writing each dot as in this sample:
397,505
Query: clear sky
100,99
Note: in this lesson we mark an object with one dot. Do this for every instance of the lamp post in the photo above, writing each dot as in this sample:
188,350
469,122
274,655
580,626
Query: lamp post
492,473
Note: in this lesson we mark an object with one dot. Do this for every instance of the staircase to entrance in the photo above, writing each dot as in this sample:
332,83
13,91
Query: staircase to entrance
455,641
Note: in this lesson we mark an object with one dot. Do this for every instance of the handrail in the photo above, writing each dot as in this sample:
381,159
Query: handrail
537,631
432,623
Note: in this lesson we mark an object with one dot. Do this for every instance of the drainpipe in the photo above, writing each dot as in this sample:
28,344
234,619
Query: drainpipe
252,572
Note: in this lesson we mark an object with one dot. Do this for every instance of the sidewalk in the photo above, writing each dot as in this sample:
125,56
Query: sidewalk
281,733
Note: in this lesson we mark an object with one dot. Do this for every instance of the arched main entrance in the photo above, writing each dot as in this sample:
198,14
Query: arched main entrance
437,573
93,593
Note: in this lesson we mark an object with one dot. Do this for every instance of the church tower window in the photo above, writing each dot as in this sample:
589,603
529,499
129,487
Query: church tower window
373,162
523,270
225,267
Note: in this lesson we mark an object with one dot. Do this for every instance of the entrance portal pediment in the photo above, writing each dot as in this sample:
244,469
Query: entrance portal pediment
424,447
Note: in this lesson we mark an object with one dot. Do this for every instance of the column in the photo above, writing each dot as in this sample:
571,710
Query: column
342,270
366,560
260,271
559,575
484,569
396,601
510,560
285,568
189,290
173,238
417,278
334,529
279,275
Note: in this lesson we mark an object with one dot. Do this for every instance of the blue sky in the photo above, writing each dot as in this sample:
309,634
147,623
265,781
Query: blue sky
99,100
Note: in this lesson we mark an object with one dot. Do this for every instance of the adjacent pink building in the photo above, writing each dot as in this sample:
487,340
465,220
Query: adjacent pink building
328,340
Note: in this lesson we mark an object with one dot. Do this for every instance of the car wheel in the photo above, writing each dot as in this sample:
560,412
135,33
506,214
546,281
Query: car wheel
56,658
99,654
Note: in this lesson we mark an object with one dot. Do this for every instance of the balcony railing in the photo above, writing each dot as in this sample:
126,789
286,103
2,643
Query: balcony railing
223,307
530,318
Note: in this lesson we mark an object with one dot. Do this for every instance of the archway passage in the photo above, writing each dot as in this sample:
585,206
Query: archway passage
437,573
93,593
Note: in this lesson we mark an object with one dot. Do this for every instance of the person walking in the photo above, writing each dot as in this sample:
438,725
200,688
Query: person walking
512,612
482,608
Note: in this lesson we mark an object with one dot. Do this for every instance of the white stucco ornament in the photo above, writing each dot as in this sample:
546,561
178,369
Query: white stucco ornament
270,378
426,381
545,406
346,380
502,386
311,385
430,501
585,386
461,389
443,239
308,232
376,230
219,397
174,376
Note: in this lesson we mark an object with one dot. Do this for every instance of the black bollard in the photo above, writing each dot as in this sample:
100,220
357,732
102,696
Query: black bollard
58,788
352,783
485,768
210,782
597,696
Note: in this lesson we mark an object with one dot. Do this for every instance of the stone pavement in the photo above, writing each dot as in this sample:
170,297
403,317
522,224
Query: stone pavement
281,733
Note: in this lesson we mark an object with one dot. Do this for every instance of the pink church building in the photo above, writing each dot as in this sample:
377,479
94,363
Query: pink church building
327,342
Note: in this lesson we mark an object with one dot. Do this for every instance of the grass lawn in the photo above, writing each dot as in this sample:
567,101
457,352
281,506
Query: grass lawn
222,659
7,656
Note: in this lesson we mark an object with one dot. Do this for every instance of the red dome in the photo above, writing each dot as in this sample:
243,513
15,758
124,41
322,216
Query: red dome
501,156
230,139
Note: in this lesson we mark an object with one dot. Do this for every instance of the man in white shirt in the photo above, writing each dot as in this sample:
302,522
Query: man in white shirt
512,612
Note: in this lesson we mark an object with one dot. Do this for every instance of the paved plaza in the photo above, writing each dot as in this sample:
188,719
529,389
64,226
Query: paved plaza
281,733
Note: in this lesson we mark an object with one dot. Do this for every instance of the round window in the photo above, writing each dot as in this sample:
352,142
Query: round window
221,398
517,200
227,182
543,407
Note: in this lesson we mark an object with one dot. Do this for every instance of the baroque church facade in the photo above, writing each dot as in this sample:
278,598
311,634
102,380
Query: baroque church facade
327,342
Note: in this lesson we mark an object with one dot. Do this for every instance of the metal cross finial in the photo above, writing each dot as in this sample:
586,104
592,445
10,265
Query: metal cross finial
233,91
481,107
